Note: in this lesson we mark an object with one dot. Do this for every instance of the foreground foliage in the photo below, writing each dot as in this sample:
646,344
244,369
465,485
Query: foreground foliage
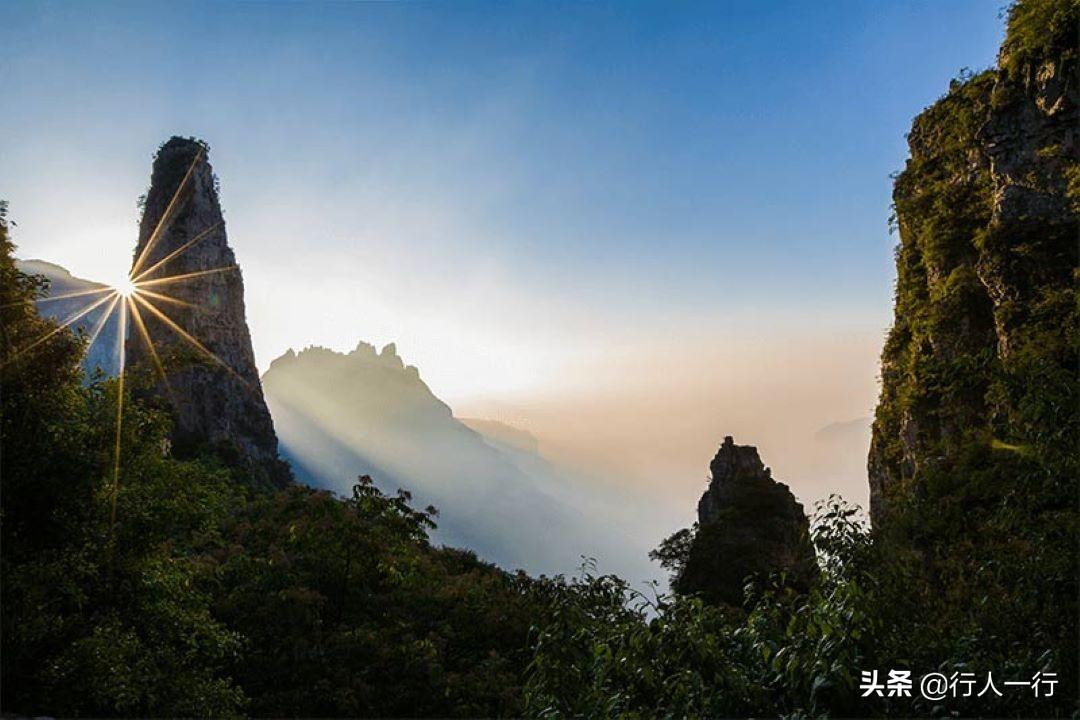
608,651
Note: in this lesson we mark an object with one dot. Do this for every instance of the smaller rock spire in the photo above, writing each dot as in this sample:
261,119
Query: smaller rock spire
749,525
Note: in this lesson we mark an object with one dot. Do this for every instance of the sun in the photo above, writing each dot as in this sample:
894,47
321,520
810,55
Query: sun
125,287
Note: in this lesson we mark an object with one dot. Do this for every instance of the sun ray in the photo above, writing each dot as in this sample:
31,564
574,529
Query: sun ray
187,336
187,276
67,322
168,298
64,296
101,324
137,278
166,217
140,326
119,425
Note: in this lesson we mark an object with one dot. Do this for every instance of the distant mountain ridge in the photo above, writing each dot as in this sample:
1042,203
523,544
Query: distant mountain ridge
503,434
339,415
104,354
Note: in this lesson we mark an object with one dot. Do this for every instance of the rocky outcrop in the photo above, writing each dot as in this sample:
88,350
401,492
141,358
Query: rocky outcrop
211,383
986,209
749,525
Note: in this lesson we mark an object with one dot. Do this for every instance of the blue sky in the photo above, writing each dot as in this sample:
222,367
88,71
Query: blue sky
655,144
520,193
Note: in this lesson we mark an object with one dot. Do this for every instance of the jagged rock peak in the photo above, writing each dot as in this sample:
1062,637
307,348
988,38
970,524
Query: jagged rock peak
737,462
364,358
363,354
285,358
365,350
213,391
390,357
378,383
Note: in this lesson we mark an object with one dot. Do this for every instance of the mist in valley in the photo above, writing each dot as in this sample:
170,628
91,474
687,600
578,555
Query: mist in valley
340,415
604,465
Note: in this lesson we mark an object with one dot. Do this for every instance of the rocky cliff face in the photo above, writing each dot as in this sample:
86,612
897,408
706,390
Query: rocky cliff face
748,525
981,359
212,385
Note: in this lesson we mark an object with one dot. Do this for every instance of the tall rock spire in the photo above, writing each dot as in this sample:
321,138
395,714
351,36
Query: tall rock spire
200,333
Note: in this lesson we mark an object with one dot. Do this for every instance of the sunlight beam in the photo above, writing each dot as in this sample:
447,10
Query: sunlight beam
140,326
65,296
168,299
72,319
187,336
137,278
100,325
187,276
166,217
119,424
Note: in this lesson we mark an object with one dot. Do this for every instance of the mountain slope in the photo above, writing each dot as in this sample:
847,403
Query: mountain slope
366,412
